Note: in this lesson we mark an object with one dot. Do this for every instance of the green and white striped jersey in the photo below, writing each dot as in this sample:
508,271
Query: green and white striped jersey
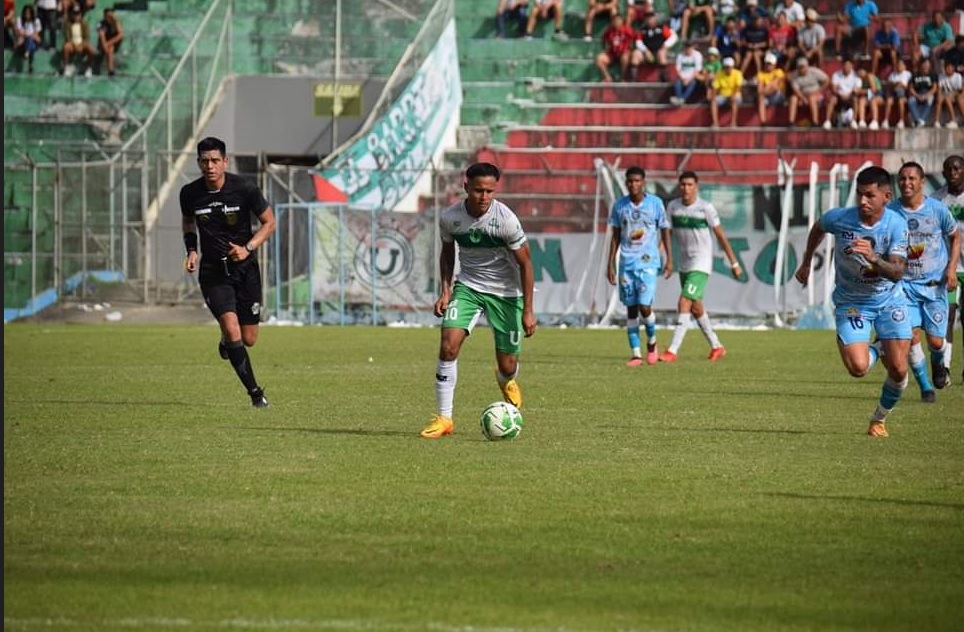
485,261
693,232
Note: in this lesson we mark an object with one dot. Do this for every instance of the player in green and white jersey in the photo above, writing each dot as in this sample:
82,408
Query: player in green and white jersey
495,279
695,224
952,195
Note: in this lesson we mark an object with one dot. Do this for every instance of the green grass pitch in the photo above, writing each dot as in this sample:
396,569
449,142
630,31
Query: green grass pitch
142,492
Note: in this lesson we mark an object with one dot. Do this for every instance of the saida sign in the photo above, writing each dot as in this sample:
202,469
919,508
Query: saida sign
338,99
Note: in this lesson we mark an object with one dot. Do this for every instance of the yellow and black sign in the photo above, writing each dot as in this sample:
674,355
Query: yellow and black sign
342,99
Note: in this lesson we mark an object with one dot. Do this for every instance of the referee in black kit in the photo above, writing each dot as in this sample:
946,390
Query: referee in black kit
218,210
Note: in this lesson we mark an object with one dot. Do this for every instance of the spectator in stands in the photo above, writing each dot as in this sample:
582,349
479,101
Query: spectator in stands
932,39
756,41
77,43
711,66
655,41
726,9
871,96
844,88
727,90
110,36
546,10
783,41
811,38
48,12
9,23
697,9
636,11
618,41
886,46
85,7
793,10
29,35
727,39
689,71
676,10
771,87
596,8
751,10
854,23
896,90
950,95
807,85
922,92
511,10
956,57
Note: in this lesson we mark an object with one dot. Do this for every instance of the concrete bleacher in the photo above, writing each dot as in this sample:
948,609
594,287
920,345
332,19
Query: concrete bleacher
51,118
547,116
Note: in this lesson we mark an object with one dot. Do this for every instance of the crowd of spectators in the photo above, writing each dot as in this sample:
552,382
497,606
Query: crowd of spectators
723,52
36,26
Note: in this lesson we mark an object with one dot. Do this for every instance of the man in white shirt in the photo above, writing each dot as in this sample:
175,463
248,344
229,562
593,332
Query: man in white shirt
794,11
689,67
950,95
844,85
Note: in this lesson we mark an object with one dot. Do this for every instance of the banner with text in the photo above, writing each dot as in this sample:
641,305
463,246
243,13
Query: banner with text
393,258
384,169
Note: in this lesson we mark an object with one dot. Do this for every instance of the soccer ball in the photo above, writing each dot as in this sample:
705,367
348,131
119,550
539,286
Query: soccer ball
501,420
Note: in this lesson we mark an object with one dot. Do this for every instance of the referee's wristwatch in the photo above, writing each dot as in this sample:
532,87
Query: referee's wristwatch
248,247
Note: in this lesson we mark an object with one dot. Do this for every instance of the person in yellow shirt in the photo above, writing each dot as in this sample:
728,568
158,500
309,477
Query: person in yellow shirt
771,86
727,90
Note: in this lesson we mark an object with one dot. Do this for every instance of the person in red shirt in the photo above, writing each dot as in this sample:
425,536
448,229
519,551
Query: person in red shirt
9,22
783,41
619,46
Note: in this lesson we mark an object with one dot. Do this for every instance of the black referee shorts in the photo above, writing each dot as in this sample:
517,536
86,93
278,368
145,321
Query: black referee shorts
229,287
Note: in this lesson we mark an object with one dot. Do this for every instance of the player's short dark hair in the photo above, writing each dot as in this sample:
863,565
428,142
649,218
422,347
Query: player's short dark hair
950,160
910,164
211,143
635,171
874,175
483,170
688,175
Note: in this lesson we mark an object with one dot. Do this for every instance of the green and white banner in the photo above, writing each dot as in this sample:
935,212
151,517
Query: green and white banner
392,258
390,166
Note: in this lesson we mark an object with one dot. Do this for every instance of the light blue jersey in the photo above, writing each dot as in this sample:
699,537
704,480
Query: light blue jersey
928,228
640,227
857,283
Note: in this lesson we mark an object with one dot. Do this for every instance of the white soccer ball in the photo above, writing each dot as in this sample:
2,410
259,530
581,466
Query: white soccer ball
501,420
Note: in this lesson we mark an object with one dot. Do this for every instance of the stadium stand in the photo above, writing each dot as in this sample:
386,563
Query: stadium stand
535,107
71,123
546,117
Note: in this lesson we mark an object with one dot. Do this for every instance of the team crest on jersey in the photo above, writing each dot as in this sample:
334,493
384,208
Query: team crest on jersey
898,315
847,235
913,223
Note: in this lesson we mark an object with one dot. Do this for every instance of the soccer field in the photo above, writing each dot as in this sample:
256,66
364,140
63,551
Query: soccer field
142,492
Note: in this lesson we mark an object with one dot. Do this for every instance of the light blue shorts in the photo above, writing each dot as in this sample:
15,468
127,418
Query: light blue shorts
891,322
637,286
927,306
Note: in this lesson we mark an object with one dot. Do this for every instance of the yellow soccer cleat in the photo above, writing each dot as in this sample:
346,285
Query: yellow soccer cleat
512,393
877,429
439,427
